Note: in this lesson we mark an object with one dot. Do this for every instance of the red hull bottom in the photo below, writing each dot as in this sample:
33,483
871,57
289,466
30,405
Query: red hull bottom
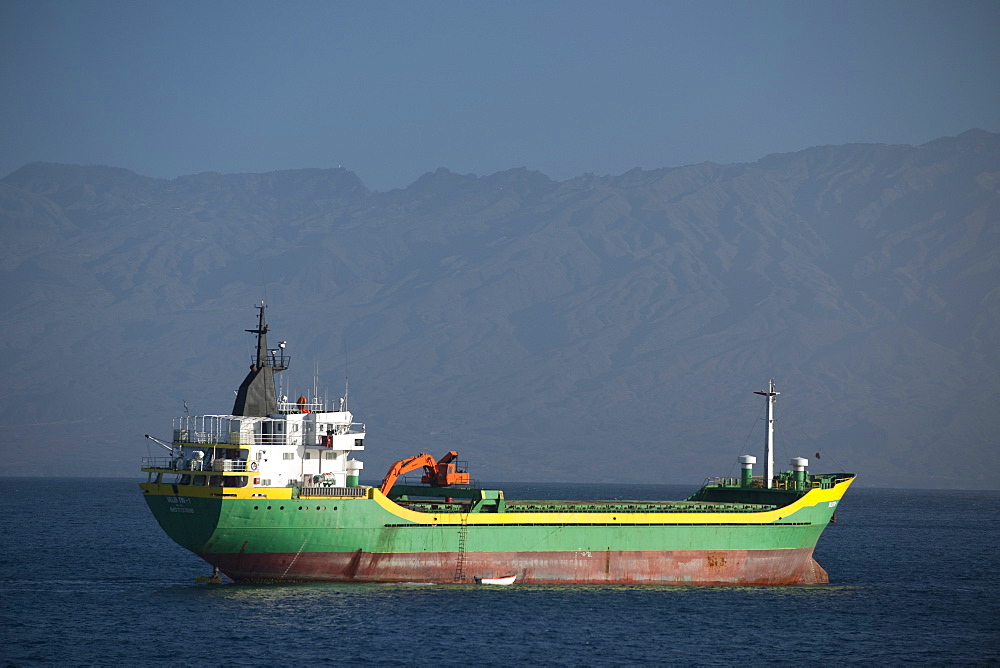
689,567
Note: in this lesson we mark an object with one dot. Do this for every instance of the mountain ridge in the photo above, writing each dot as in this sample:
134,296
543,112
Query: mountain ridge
593,315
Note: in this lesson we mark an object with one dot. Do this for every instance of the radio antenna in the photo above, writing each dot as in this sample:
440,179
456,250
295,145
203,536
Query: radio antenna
260,263
316,381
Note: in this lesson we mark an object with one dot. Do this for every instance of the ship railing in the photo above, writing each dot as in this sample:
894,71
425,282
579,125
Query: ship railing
172,463
178,464
723,481
208,429
312,440
827,481
270,439
779,482
341,429
313,406
334,491
789,484
337,429
232,465
277,360
837,479
235,430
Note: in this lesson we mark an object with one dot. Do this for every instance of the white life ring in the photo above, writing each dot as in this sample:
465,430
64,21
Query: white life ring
253,466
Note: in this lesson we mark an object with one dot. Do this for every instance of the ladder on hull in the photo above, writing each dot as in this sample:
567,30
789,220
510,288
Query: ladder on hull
463,534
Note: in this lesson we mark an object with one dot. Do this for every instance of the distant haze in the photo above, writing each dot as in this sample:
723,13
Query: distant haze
606,329
392,89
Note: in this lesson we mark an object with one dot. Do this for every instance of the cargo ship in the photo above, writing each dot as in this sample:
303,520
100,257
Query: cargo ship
271,493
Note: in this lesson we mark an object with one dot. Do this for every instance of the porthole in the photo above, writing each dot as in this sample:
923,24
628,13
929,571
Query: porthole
281,507
269,507
256,507
317,507
300,507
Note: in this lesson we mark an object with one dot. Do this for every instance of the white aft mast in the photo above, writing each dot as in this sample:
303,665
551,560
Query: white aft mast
770,397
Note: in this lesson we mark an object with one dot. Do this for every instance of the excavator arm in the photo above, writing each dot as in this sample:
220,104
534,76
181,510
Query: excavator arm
436,473
404,466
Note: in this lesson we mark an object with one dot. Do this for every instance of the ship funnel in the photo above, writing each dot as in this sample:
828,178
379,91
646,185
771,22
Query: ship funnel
746,463
799,465
353,472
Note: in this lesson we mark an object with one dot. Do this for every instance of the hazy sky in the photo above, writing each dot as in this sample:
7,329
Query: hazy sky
391,90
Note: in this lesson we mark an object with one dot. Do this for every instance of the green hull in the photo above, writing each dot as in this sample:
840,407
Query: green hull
372,538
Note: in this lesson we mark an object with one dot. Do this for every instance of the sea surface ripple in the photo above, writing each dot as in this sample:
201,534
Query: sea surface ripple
88,578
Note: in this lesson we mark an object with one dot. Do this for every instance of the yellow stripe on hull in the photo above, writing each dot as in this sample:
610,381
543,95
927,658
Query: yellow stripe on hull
812,498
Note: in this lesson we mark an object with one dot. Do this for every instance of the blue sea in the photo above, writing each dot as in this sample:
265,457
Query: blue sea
88,578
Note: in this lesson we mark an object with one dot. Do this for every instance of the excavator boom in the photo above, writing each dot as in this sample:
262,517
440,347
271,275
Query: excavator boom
437,473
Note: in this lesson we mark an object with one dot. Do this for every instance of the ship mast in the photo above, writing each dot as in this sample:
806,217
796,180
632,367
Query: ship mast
770,397
256,396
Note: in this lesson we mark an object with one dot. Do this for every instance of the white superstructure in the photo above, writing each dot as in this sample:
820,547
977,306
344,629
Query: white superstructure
305,444
266,442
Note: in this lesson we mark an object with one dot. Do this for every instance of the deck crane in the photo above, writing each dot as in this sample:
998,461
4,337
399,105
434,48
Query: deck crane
437,473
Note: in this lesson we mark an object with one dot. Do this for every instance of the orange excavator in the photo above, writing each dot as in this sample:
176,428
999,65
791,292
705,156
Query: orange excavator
437,473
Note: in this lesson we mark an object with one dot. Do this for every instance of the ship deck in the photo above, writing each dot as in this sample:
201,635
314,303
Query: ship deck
546,506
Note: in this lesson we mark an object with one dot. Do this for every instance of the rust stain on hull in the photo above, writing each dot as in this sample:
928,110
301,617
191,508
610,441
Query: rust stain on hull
688,567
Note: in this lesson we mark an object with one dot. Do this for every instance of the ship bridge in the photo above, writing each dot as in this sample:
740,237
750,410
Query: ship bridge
305,442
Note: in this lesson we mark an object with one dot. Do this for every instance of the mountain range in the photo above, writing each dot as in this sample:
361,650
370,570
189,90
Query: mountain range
602,329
